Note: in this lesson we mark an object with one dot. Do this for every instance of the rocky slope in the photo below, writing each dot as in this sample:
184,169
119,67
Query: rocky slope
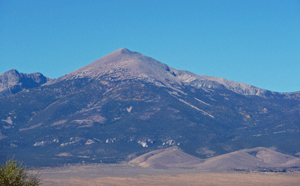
124,64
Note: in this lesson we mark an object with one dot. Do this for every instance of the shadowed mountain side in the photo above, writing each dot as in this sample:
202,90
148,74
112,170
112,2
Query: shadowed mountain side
165,158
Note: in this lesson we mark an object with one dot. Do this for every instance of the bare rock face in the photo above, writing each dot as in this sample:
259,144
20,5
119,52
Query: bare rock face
125,64
12,82
199,81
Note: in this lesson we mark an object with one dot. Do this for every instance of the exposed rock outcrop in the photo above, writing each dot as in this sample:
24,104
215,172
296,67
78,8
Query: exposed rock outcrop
12,82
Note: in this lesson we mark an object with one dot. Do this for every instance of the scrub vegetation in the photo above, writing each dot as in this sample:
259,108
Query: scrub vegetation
14,173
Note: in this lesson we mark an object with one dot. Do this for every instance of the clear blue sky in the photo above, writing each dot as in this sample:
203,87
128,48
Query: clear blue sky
255,42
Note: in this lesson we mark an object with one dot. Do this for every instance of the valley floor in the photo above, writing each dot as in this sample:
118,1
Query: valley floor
124,175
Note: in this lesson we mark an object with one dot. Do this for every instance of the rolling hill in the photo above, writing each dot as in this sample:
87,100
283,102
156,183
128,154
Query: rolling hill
256,159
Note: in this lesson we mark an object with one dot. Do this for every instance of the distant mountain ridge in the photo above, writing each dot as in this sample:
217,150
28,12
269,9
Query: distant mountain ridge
132,65
125,64
127,103
12,82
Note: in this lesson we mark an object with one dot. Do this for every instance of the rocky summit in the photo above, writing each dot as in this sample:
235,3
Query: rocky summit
126,104
12,82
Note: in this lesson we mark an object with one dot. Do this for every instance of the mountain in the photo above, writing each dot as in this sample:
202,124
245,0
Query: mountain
124,64
12,82
126,104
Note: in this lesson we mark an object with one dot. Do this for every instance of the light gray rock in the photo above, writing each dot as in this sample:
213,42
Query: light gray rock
12,82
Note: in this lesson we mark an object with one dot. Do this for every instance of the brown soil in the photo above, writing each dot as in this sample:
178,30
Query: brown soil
207,179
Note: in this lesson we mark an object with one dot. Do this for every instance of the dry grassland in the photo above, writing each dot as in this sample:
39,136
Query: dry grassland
207,179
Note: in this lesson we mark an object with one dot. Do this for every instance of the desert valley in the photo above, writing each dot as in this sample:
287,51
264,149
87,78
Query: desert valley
128,119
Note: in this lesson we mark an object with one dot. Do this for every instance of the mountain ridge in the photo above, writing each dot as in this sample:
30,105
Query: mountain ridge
134,67
139,66
124,64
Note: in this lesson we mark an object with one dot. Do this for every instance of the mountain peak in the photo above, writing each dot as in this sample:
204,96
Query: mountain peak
9,77
10,72
12,82
125,64
121,52
124,50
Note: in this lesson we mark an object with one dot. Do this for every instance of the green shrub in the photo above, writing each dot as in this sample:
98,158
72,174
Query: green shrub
14,174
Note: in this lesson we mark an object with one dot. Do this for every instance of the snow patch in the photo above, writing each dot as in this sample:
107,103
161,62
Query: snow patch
39,143
76,139
170,142
174,93
264,111
202,102
89,141
203,112
143,143
59,122
279,126
8,120
65,154
13,145
279,132
110,140
83,157
129,109
97,140
31,127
